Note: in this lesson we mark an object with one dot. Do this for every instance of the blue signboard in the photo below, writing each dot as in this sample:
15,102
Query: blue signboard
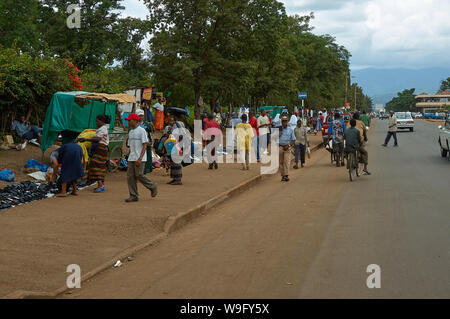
302,95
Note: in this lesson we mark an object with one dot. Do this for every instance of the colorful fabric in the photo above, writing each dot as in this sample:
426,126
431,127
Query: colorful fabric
97,164
337,130
159,119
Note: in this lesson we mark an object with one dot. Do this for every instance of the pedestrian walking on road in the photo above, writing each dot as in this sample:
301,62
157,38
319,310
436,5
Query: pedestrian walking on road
138,142
212,131
392,129
301,140
264,129
244,133
286,141
255,140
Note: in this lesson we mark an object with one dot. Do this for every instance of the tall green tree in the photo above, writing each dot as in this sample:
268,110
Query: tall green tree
404,101
445,85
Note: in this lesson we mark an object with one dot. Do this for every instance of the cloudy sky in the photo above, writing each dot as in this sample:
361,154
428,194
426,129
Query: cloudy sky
378,33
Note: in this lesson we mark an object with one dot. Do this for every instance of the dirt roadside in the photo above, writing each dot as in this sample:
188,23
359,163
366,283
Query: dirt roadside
40,239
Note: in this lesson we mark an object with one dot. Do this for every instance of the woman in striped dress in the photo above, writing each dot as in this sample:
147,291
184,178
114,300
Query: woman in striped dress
97,164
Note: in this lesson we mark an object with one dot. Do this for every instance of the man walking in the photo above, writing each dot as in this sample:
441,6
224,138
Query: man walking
244,134
286,141
212,131
392,129
301,139
264,126
137,141
255,140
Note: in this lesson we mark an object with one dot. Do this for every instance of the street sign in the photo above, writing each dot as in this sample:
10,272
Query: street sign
302,95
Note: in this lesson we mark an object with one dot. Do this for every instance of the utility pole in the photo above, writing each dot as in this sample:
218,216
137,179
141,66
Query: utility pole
346,88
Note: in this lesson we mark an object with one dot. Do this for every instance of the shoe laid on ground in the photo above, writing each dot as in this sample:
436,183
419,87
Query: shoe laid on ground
342,163
177,183
295,166
366,173
283,178
303,165
154,192
286,179
171,182
131,199
384,145
396,145
210,166
100,189
216,166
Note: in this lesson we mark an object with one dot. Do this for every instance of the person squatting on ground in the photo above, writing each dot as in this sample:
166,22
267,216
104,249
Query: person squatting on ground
336,132
286,141
244,133
392,129
97,164
301,140
138,142
212,131
364,155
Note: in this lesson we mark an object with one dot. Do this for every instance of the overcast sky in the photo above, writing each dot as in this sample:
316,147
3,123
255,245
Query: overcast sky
378,33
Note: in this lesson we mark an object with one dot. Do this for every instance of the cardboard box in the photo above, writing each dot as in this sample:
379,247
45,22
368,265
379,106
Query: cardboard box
8,139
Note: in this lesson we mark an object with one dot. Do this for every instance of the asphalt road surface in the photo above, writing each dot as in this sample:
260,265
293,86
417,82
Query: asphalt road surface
312,237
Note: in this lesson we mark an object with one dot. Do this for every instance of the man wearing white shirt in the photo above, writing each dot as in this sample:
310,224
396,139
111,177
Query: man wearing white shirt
137,141
263,127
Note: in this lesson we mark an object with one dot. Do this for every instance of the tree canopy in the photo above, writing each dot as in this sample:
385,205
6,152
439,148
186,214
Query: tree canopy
403,102
233,52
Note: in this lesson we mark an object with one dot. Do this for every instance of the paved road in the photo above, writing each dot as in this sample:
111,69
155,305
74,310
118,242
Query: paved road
311,237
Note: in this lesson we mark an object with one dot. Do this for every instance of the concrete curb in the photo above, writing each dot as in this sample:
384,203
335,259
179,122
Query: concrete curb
172,224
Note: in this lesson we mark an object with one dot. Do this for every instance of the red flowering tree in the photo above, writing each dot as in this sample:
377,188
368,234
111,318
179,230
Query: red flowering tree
74,75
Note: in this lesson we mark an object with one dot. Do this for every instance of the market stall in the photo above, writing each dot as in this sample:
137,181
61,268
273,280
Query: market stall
70,113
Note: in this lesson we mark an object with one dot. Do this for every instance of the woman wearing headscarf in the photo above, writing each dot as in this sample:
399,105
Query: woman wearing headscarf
293,121
97,164
276,122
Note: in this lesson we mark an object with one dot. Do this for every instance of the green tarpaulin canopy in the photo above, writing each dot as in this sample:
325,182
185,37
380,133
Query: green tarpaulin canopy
64,114
271,110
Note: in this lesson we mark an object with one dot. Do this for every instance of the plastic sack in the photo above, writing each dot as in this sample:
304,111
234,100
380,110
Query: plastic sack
7,175
32,163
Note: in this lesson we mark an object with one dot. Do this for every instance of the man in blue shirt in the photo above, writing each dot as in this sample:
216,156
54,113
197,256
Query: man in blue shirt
286,141
336,132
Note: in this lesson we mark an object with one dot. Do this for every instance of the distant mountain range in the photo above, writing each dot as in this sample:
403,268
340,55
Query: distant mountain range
383,84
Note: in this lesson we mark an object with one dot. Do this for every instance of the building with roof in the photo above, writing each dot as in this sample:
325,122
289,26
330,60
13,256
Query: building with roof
429,103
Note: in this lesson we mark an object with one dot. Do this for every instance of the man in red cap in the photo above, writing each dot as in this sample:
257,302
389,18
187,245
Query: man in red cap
137,141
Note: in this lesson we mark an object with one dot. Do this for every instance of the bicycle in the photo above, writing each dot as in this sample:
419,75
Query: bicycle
354,165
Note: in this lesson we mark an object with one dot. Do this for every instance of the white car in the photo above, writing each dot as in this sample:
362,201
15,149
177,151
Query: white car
444,138
404,120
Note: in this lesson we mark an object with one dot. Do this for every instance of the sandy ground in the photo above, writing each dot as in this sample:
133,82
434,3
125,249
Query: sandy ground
15,161
313,237
40,239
